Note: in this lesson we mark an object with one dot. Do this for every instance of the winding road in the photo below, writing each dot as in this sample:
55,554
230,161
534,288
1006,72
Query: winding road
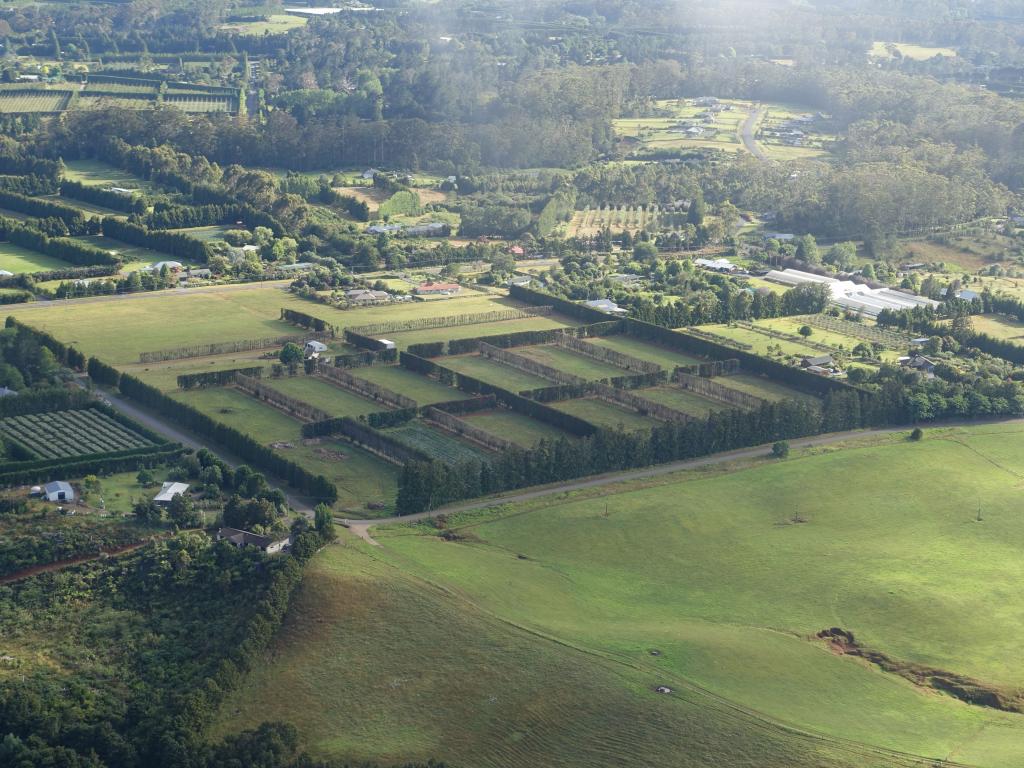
748,132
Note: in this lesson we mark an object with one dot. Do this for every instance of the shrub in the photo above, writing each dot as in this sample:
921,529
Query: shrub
780,450
917,434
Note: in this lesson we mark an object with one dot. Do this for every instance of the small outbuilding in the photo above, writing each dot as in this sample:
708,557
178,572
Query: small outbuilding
59,490
168,491
314,349
387,344
608,306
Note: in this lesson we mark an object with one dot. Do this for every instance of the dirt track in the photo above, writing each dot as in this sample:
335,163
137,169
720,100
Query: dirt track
748,131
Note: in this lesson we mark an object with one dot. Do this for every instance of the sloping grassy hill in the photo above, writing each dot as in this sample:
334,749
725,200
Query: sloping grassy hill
554,608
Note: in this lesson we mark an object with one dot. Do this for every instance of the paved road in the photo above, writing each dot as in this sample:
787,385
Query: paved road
159,425
749,129
362,527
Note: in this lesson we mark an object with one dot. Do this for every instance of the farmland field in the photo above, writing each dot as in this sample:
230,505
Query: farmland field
761,386
65,434
669,359
495,373
134,257
274,24
437,443
557,604
679,399
360,477
1000,327
405,338
322,394
15,101
14,258
605,414
423,390
884,50
570,362
520,429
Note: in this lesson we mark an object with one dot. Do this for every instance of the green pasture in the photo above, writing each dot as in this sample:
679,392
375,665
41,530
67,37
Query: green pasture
498,374
679,399
361,477
405,338
1000,327
730,577
374,664
605,414
520,429
274,24
423,390
570,362
669,359
134,257
885,50
14,258
327,397
759,341
206,234
761,386
542,619
99,174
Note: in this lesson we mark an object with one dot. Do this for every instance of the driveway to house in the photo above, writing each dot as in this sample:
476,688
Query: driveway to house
749,128
361,528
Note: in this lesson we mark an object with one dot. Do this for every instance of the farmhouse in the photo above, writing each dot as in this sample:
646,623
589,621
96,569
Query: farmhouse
606,305
59,490
242,539
433,229
716,265
172,266
919,363
437,289
517,250
314,349
520,280
821,361
168,491
365,297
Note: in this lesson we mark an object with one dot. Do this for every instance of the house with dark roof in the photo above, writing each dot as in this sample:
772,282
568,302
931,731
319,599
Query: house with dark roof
242,539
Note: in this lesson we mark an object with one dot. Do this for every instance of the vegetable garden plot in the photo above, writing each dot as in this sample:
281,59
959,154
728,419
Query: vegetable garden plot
436,443
66,434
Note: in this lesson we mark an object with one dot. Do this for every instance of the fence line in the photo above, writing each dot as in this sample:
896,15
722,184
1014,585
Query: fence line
226,347
464,429
365,388
707,388
605,355
279,400
451,321
528,365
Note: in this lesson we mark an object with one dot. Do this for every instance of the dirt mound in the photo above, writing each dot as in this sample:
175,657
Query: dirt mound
966,689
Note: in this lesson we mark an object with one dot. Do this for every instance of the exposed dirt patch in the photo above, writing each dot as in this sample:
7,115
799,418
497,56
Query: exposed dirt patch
326,453
431,196
281,446
372,196
966,689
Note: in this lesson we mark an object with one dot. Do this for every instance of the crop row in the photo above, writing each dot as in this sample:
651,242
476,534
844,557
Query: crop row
430,441
70,433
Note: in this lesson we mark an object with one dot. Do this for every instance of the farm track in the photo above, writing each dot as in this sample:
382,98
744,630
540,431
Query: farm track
361,528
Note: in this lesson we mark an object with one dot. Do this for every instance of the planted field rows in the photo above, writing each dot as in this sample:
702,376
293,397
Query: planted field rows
66,434
435,443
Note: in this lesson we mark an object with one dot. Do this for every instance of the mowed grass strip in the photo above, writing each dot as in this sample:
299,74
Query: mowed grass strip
761,386
375,665
730,576
472,331
521,430
608,415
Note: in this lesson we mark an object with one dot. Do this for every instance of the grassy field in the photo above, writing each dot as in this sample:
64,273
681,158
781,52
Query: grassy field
208,315
404,339
1000,327
100,174
421,389
495,373
883,50
666,130
438,443
605,414
761,386
322,394
570,362
361,477
680,399
133,257
14,258
759,341
669,359
206,234
727,574
521,430
275,24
